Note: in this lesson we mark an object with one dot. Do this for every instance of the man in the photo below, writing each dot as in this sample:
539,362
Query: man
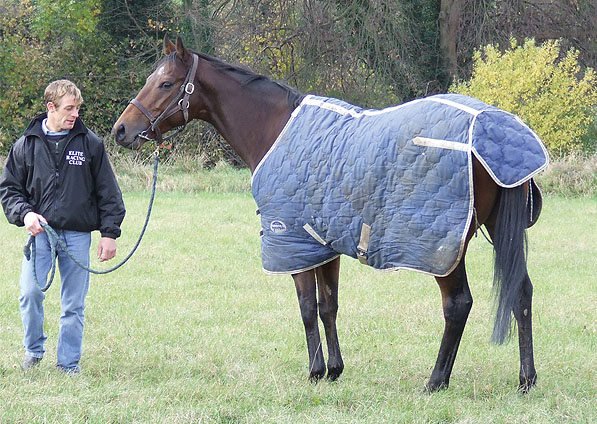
58,173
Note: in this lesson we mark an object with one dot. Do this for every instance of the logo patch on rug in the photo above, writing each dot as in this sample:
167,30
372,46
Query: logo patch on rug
277,227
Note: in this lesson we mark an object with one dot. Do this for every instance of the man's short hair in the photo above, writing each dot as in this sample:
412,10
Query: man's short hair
56,90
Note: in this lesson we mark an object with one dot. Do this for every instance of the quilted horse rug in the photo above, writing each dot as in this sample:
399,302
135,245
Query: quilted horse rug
390,187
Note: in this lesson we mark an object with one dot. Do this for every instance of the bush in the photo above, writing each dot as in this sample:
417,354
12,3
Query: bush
540,86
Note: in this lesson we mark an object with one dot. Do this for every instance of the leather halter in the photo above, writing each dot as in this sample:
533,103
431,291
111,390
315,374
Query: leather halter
179,103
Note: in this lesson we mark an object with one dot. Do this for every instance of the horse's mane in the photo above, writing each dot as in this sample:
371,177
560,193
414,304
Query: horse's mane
245,76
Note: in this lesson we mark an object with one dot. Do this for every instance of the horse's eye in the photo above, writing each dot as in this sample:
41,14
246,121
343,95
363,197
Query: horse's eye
166,84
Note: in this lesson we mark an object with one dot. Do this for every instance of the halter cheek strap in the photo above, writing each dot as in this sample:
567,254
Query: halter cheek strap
179,103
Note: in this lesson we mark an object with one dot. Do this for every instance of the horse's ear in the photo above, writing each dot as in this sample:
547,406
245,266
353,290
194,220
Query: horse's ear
169,46
182,51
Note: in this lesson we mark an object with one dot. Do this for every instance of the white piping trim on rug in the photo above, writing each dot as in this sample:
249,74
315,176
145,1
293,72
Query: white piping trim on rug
467,109
471,194
311,101
442,144
296,271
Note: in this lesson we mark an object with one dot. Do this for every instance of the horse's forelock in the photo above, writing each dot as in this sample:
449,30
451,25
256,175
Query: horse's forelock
171,58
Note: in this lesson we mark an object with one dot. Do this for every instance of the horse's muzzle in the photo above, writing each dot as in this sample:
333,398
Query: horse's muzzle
120,135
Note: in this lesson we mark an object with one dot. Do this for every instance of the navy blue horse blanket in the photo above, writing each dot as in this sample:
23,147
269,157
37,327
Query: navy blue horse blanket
390,187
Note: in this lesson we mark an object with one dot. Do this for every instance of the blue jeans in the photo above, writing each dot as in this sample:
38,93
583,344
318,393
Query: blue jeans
75,283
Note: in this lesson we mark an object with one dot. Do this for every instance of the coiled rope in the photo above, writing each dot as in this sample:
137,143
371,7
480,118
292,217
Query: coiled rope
30,251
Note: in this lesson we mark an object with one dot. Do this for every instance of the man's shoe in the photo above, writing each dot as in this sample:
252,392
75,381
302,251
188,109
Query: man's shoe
30,362
68,371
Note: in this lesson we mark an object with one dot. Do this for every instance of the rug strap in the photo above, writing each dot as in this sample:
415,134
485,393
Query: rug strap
314,234
364,244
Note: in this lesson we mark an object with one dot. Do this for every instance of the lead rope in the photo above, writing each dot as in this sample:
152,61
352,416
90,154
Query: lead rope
29,249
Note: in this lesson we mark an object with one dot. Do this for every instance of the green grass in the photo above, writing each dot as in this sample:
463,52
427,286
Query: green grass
192,331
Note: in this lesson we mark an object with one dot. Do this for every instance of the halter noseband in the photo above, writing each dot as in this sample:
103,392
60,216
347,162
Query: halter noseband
180,102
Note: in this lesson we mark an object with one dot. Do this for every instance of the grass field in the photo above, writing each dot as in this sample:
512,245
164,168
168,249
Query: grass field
192,331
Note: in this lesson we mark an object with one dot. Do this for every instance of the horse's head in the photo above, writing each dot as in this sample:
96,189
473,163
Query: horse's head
163,103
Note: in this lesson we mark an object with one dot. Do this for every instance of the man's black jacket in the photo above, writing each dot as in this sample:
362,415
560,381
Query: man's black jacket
78,193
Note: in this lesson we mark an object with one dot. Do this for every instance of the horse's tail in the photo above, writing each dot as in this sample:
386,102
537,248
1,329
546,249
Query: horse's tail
510,249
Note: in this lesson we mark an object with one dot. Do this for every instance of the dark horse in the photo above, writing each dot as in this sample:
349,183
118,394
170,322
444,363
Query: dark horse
250,111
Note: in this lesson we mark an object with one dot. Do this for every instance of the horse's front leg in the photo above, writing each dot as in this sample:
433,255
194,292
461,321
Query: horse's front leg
307,297
327,284
457,303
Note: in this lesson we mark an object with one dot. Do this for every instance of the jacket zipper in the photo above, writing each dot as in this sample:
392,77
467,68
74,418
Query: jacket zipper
56,176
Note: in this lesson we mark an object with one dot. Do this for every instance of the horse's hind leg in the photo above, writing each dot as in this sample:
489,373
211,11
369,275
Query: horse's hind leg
524,318
523,315
307,297
457,303
327,284
456,296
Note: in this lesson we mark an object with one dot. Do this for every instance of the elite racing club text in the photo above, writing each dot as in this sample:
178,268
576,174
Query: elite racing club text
75,157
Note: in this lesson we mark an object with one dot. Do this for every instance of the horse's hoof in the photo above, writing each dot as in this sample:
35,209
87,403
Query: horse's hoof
334,371
332,376
526,384
314,379
432,387
315,376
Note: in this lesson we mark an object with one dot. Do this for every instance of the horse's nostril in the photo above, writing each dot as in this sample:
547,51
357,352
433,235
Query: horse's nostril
120,133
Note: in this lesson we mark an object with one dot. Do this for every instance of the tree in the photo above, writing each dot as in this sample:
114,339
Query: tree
20,53
449,25
484,22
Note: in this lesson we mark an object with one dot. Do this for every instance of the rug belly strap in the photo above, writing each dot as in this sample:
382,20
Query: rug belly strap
364,244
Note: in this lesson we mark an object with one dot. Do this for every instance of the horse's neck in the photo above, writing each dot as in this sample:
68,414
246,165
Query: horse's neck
250,121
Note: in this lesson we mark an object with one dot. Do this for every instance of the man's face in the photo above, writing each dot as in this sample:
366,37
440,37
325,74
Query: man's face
63,117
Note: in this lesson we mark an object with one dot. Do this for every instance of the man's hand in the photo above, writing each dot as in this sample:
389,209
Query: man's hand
106,249
32,223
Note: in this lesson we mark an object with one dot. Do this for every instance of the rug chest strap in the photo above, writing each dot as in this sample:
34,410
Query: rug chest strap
363,244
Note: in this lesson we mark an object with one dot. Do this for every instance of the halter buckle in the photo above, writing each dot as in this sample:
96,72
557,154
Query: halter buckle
180,103
144,135
189,88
